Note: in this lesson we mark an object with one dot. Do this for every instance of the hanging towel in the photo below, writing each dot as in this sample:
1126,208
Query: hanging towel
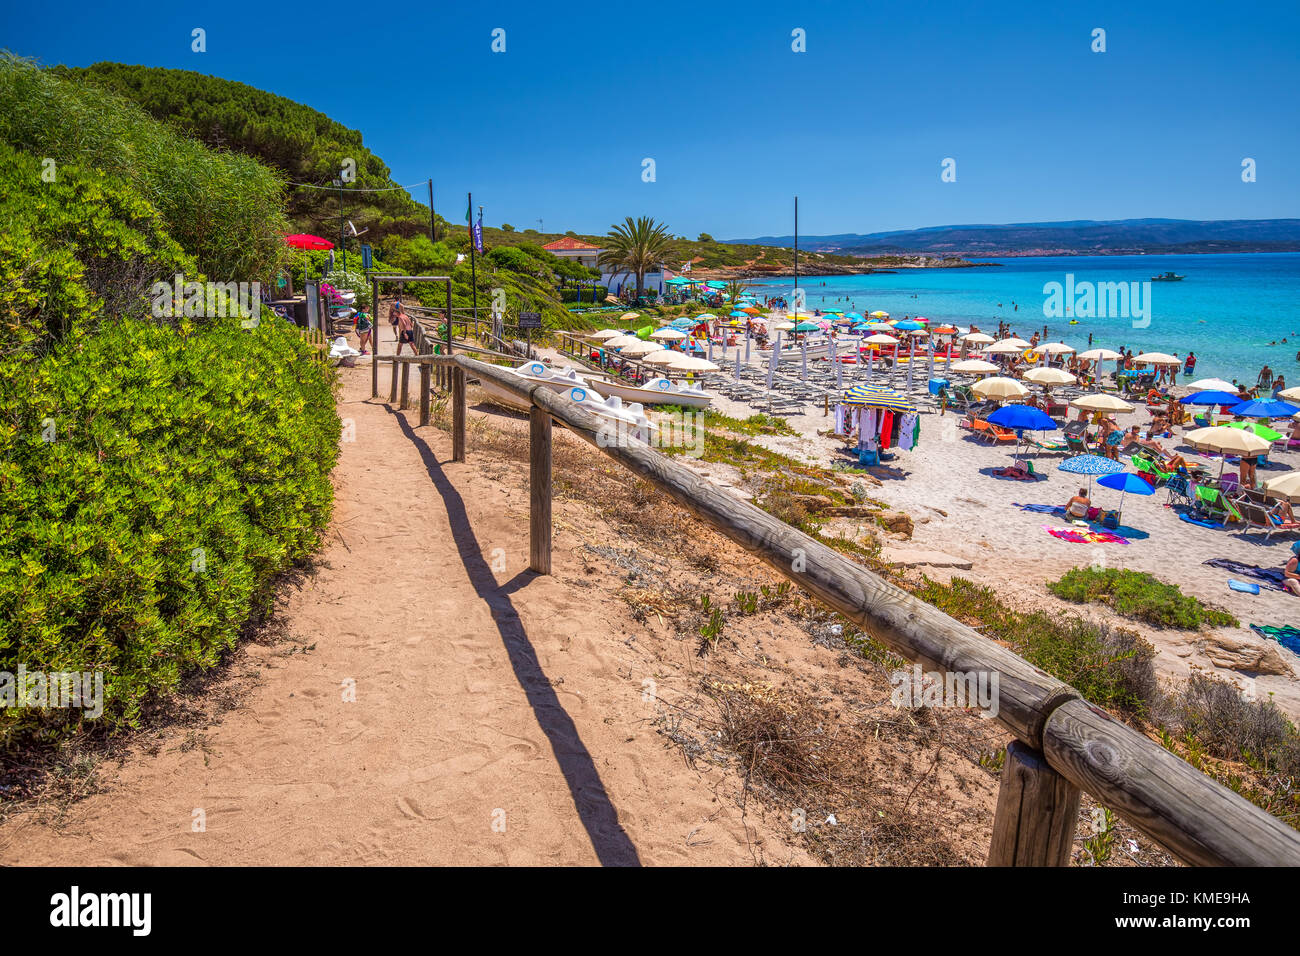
907,431
886,429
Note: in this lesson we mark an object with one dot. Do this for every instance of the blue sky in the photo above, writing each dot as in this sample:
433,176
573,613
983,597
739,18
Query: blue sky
556,127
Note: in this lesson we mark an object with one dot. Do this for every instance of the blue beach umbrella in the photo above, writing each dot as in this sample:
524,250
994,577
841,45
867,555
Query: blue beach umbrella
1125,482
1089,465
1022,417
1264,408
1211,398
908,326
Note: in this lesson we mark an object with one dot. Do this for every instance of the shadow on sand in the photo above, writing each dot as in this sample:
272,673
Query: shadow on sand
608,838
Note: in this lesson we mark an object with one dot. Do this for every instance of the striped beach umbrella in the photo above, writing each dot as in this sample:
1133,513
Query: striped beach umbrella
874,396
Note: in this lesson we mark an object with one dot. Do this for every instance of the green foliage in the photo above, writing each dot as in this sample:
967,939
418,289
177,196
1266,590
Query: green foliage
223,209
306,145
1111,667
637,246
163,442
1139,595
72,247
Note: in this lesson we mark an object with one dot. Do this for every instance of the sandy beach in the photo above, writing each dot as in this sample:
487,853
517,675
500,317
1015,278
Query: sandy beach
963,512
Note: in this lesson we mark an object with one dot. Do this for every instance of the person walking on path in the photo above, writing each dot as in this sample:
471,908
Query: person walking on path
365,328
405,330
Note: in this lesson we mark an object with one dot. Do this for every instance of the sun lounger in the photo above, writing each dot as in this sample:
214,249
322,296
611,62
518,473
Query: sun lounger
1257,518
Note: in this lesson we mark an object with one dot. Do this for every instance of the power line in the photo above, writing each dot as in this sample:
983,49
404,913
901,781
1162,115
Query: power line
356,189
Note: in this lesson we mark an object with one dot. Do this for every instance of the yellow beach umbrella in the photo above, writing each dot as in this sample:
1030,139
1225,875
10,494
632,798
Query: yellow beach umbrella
1049,376
999,387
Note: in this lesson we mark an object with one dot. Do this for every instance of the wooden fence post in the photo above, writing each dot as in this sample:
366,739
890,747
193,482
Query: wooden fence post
426,373
539,490
406,385
1037,808
458,419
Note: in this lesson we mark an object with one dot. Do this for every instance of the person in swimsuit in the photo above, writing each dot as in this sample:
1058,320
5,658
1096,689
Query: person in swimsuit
1078,506
364,327
405,330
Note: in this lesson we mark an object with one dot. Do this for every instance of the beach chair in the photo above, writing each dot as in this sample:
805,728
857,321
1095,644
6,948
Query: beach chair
1046,445
1257,518
1180,491
1076,436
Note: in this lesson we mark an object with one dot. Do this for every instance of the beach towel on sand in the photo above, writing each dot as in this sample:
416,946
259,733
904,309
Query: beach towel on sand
1288,636
1246,587
1273,576
1041,509
1015,474
1079,536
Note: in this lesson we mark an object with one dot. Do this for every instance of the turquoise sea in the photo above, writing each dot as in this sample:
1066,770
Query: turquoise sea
1227,310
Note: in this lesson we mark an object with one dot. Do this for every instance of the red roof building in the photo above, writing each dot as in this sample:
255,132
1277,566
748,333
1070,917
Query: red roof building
584,253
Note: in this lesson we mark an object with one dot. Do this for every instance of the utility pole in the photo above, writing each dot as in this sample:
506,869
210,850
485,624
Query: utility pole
433,221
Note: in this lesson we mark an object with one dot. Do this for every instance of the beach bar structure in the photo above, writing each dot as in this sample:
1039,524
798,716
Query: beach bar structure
1064,745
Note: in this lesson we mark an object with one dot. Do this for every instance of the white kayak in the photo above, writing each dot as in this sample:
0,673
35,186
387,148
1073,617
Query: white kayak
557,379
659,391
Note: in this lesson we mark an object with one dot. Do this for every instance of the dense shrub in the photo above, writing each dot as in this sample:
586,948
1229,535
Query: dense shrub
152,481
223,208
1139,595
1110,666
1216,713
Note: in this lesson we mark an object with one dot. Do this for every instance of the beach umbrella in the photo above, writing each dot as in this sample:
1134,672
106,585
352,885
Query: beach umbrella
880,338
832,311
782,326
1290,394
877,397
776,357
667,334
999,387
908,326
1101,402
641,348
973,367
1006,347
631,316
1288,484
978,338
620,341
689,363
855,316
880,315
605,334
1126,482
737,314
751,310
1157,358
1014,341
1263,431
1049,376
737,365
705,317
302,240
1219,385
1226,440
1090,465
1211,397
807,327
1053,348
1100,355
1022,417
803,357
1264,408
663,357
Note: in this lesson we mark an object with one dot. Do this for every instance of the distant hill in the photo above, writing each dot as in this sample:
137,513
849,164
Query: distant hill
1076,237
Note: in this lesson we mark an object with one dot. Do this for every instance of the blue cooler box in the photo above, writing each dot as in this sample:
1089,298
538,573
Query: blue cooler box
936,384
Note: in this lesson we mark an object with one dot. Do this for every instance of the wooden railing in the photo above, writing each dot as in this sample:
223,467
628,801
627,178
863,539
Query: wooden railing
1064,744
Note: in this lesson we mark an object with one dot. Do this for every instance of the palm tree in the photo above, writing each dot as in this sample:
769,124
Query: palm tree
735,289
637,246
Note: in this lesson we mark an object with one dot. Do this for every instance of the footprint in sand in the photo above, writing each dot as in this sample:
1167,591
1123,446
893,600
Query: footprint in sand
410,808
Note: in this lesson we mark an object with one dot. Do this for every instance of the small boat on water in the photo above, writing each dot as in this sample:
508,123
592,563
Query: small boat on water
1168,277
659,391
557,379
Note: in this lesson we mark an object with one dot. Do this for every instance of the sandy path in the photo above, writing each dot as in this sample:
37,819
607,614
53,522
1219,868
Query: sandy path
482,697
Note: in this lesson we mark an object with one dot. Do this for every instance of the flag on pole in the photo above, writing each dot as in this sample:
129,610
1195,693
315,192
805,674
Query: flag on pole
478,234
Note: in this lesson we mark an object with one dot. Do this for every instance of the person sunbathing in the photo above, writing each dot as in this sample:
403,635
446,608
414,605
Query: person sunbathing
1291,572
1168,461
1078,506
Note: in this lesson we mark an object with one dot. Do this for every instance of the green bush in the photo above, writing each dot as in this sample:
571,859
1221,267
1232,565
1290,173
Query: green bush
152,482
1139,595
1111,667
224,209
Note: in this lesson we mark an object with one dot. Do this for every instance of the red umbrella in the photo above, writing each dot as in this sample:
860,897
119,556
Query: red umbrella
303,241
